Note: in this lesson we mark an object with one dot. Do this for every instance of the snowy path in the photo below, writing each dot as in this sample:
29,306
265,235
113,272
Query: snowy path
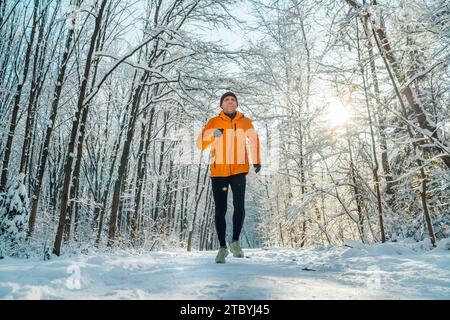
379,272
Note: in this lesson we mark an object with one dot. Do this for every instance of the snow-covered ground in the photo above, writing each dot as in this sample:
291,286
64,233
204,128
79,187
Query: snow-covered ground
387,271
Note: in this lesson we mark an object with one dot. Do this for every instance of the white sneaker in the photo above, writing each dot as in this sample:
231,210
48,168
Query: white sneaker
235,248
221,255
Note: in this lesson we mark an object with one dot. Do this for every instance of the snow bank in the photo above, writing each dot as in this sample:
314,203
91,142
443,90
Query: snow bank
378,249
444,244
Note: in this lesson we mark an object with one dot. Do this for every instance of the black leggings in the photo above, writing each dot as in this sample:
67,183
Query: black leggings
220,192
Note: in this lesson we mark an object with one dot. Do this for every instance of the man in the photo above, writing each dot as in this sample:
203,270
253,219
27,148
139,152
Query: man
227,134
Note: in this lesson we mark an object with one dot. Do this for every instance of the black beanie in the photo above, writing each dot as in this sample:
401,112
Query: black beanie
227,94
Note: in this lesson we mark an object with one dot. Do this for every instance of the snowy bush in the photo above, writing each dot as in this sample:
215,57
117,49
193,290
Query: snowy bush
14,213
444,244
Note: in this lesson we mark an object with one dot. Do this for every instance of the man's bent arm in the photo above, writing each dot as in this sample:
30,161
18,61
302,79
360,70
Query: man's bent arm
254,144
206,137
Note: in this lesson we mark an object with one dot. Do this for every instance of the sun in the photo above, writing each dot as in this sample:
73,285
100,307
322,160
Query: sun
338,112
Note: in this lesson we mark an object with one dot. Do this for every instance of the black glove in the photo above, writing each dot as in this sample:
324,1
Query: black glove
257,167
218,133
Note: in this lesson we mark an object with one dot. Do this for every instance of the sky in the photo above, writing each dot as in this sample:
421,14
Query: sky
236,38
231,39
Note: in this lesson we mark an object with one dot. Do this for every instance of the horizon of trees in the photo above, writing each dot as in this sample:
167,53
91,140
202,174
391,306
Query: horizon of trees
99,99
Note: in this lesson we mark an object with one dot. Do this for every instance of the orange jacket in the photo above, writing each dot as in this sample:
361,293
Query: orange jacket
229,151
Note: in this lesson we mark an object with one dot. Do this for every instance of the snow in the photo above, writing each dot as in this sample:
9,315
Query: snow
444,244
374,16
13,218
382,271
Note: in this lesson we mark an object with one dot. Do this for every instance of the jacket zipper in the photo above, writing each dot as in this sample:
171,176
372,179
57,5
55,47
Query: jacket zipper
232,140
231,120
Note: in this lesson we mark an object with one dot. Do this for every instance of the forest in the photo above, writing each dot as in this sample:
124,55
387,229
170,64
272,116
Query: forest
101,102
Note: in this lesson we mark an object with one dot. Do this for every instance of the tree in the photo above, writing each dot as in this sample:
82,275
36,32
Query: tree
17,98
81,108
14,212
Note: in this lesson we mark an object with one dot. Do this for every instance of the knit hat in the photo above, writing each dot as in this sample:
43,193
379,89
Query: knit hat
227,94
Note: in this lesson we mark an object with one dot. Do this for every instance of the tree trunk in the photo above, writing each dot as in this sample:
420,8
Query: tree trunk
35,79
372,135
17,98
356,191
54,109
73,136
198,195
146,137
124,159
381,119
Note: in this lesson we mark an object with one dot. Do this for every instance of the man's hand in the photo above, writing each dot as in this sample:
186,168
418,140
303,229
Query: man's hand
257,167
218,133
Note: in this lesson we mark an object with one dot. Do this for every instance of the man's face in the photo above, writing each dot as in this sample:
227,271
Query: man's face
229,105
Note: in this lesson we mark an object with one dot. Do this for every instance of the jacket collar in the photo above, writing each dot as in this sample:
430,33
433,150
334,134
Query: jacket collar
227,118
